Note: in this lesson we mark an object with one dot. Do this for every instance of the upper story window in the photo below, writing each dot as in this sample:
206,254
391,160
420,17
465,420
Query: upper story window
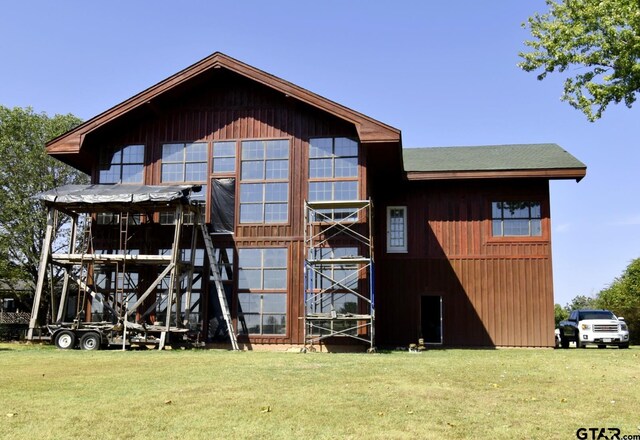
396,229
184,163
121,164
516,219
333,172
264,181
224,157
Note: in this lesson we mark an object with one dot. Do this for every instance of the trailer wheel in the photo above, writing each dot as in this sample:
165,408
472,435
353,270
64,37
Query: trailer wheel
90,341
65,340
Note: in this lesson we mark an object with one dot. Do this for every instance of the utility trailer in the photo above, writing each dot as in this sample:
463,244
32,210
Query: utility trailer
96,335
145,294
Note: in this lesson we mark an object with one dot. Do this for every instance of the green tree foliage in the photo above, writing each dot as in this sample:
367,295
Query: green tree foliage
622,297
598,40
25,170
581,302
560,313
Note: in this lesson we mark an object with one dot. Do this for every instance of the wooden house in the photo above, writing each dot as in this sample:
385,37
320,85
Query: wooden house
457,242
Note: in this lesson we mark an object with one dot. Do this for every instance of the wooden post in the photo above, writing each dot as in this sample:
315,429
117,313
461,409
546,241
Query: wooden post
42,271
174,281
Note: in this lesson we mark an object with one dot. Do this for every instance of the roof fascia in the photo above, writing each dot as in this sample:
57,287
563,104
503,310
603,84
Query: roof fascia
558,173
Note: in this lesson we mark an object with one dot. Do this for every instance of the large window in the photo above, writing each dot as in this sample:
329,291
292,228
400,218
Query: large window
121,164
396,229
185,163
262,287
516,219
333,172
264,182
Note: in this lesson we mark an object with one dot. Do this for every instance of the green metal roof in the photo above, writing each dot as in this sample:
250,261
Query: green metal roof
489,158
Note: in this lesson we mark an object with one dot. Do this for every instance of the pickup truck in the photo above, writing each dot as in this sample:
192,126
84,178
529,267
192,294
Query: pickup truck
595,327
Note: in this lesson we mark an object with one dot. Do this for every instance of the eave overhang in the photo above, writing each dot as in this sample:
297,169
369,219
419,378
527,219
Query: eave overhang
552,174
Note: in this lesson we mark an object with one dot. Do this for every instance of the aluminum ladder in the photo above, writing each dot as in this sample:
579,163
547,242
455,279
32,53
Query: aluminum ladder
222,297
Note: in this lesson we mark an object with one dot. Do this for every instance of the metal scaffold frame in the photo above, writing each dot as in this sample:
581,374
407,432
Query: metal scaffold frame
329,225
81,259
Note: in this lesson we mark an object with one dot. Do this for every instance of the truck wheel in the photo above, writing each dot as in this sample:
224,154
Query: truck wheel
578,345
564,342
90,341
625,345
65,340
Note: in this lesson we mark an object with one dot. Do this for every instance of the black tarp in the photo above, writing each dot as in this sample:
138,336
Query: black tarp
223,202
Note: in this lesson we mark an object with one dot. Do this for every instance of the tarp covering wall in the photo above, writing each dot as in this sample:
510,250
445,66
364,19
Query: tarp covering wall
223,202
117,193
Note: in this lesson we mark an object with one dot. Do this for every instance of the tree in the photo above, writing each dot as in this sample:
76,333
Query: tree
622,297
581,302
598,38
560,313
25,170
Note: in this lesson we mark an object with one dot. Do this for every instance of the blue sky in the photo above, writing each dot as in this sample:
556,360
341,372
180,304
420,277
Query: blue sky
443,72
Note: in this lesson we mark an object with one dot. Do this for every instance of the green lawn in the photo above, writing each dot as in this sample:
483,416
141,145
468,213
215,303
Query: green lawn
511,393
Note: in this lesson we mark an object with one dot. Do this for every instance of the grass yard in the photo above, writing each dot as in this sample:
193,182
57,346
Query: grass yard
47,393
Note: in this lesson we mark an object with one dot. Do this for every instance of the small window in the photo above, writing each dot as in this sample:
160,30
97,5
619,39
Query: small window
396,229
516,219
224,157
121,165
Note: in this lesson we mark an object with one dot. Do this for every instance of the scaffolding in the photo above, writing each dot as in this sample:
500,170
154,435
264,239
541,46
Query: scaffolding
126,295
339,300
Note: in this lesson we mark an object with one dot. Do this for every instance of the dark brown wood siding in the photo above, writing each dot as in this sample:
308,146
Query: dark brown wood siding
495,291
230,107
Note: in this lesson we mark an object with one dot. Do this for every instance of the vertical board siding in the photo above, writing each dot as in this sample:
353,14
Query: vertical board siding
496,292
229,107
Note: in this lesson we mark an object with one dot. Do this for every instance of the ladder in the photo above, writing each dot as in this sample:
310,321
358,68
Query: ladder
222,297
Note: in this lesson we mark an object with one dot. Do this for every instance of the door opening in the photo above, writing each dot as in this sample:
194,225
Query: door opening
431,318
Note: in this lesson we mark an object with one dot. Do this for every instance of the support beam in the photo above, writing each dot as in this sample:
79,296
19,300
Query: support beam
42,270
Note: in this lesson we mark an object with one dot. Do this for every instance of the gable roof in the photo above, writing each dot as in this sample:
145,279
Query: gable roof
492,161
369,129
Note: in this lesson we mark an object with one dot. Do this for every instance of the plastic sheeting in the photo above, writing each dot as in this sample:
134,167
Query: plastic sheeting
223,202
118,193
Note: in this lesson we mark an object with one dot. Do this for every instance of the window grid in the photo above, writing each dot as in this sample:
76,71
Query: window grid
185,163
333,173
262,286
396,229
224,157
516,219
264,181
121,165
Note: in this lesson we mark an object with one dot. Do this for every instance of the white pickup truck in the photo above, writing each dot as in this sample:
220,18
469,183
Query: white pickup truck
595,327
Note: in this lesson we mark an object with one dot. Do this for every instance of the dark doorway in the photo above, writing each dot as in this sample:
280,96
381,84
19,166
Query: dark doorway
431,318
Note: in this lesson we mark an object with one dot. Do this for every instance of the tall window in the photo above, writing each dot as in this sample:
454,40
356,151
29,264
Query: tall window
121,164
262,287
396,229
516,219
184,163
333,172
264,182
